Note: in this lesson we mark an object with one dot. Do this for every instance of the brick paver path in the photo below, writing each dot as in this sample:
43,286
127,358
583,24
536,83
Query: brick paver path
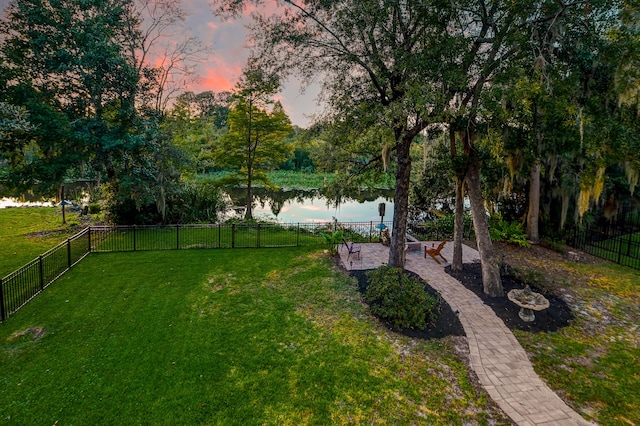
496,356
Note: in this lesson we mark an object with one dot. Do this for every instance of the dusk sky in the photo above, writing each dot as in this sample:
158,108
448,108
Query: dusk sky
229,56
223,67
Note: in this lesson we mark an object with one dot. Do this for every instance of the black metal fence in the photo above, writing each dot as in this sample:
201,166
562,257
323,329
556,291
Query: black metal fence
22,285
616,239
441,229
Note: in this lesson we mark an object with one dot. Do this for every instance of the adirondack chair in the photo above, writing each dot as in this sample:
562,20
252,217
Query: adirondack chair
433,252
352,248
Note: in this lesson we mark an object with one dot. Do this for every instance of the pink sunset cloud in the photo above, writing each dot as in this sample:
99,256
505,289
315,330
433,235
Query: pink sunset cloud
217,78
220,70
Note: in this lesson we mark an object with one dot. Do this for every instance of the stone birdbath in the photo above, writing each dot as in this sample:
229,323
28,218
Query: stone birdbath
528,301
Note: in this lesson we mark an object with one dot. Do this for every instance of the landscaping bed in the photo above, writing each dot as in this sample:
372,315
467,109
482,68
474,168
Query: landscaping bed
446,324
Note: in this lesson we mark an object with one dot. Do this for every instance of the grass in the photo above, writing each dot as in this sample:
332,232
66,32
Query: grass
300,180
594,363
26,233
285,178
221,337
224,236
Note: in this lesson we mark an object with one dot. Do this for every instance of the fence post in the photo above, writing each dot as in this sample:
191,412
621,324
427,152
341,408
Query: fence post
69,252
2,313
370,231
298,236
219,236
41,271
258,242
620,251
135,227
233,235
177,237
89,239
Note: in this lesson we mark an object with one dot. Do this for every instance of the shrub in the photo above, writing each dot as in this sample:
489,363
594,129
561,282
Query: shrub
94,208
195,202
400,299
510,232
334,239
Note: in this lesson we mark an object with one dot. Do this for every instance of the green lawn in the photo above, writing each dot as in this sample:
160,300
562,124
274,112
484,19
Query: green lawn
22,236
209,236
594,364
260,336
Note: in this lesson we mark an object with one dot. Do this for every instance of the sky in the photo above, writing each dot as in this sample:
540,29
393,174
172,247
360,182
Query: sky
222,68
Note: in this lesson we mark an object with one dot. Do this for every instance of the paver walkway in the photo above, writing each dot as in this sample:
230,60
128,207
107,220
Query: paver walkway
499,361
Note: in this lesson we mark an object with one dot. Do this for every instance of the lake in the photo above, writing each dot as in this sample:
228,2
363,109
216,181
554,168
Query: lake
307,206
288,205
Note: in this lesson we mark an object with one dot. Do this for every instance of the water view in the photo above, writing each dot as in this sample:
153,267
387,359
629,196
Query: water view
14,202
306,206
287,206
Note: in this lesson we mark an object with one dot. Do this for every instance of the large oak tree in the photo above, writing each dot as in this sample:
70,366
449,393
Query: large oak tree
381,63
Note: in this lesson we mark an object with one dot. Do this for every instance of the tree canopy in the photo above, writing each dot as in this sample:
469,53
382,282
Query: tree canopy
256,140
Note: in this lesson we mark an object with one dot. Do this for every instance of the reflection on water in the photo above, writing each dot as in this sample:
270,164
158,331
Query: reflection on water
14,202
288,206
72,191
297,205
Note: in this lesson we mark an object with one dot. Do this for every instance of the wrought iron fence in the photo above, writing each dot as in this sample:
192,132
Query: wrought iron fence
22,285
616,239
440,229
238,235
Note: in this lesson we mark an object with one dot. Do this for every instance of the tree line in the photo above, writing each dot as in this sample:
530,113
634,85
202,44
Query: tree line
91,90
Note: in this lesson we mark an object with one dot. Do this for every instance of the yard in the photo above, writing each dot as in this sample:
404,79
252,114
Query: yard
26,233
594,363
253,336
279,336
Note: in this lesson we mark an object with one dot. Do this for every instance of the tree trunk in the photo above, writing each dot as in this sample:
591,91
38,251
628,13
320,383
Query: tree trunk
458,230
490,269
401,205
533,215
248,215
458,227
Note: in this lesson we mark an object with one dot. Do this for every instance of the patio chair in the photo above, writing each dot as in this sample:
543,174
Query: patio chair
433,252
352,248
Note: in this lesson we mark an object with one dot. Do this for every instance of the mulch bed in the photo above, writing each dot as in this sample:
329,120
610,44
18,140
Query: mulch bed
558,314
447,324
